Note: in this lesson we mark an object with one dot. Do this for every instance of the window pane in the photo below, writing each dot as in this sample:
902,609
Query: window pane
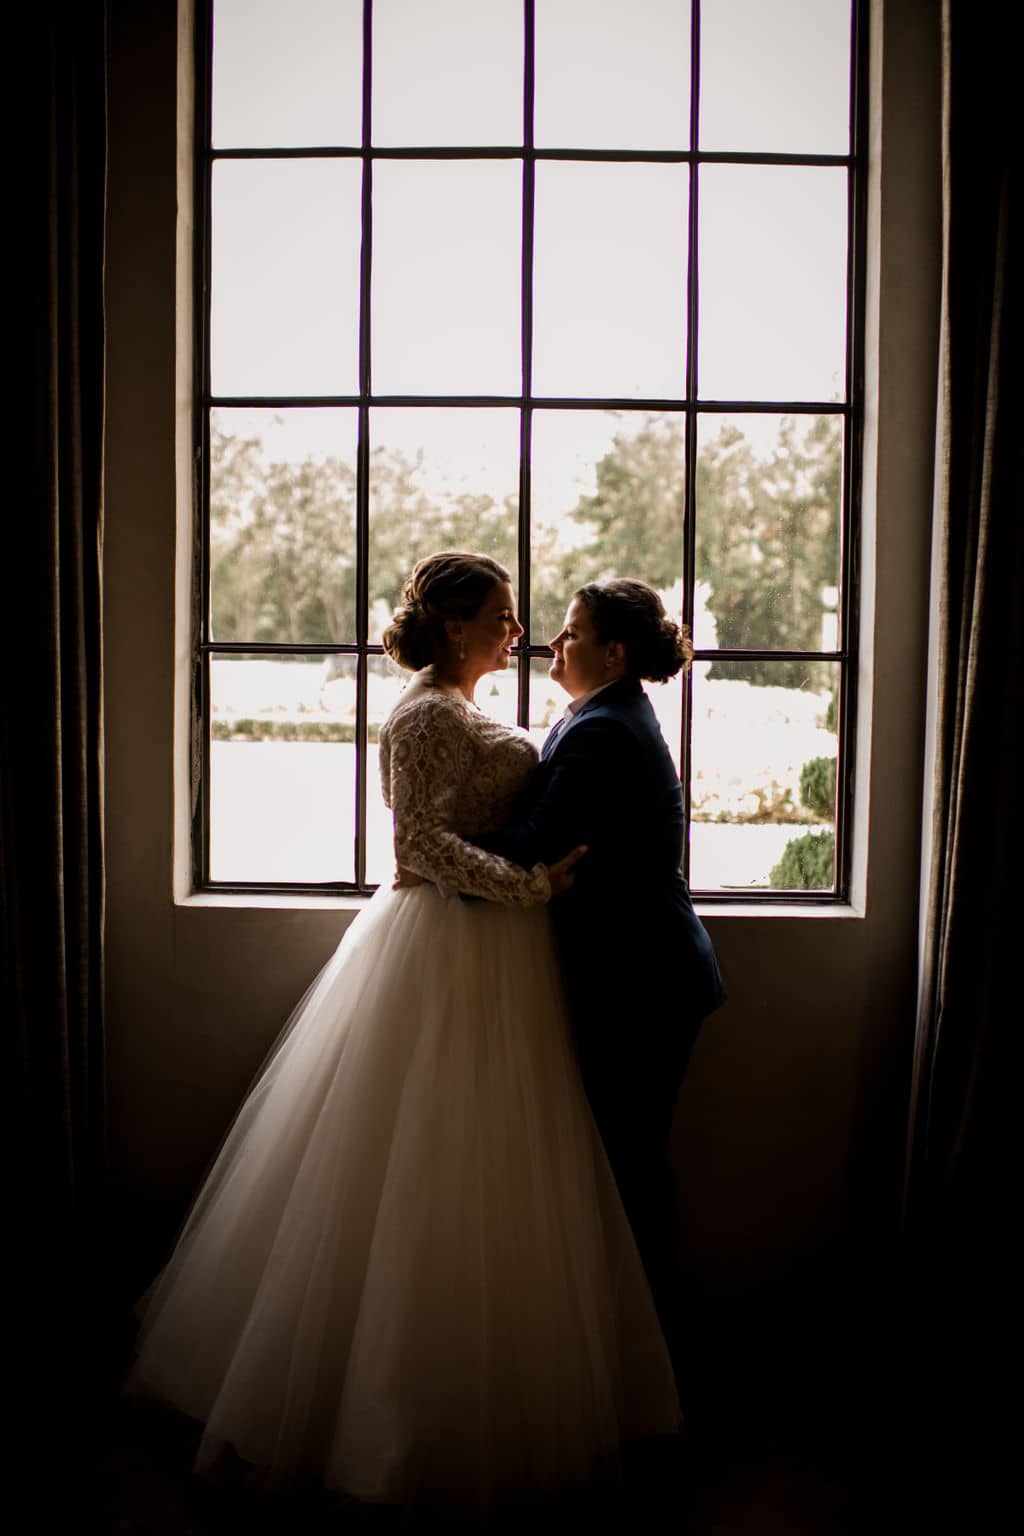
772,283
287,74
497,695
547,700
610,280
282,525
439,479
775,78
285,277
613,76
667,703
446,277
384,685
763,775
448,73
768,545
282,768
607,501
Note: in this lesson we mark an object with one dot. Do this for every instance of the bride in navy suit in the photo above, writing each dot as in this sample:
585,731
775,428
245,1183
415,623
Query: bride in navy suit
638,967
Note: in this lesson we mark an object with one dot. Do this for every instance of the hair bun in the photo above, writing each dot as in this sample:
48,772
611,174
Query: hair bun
407,638
452,584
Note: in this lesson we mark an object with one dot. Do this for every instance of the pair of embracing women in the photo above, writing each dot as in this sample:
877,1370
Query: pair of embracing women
433,1262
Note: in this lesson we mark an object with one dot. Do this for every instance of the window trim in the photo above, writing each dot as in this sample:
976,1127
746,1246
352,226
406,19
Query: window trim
690,408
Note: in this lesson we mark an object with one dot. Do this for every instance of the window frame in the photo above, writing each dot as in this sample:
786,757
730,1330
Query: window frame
690,407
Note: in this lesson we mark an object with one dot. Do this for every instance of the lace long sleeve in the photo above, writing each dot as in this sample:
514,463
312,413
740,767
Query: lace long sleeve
428,751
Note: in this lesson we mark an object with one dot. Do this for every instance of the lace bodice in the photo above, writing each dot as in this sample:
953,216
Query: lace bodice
448,773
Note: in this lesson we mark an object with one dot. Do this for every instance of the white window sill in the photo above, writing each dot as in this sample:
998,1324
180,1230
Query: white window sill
263,901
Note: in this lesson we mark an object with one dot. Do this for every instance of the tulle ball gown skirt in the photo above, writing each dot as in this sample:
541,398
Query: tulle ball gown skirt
408,1277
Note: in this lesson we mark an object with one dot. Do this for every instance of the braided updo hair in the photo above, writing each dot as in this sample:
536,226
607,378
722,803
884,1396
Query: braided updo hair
633,613
453,584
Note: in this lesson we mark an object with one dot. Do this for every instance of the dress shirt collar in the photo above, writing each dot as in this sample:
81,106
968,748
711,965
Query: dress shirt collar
575,705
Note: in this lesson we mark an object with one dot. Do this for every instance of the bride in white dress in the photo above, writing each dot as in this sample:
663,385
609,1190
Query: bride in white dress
408,1276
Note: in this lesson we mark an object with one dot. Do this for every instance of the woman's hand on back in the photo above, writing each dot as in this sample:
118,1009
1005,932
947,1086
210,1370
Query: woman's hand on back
562,874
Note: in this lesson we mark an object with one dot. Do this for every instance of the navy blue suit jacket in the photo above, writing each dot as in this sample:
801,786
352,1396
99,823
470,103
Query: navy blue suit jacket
627,933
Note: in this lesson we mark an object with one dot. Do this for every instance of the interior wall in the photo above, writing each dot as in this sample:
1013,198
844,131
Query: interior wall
788,1137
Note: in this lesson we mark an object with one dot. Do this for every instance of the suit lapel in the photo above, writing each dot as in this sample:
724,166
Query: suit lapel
618,693
554,735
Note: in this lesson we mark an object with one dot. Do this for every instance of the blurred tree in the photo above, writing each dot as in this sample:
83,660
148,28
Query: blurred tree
767,531
408,521
768,541
633,524
283,536
282,546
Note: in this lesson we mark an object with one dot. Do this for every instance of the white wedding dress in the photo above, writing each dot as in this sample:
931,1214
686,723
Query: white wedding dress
408,1276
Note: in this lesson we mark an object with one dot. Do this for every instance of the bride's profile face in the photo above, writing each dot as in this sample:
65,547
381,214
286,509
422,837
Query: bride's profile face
489,637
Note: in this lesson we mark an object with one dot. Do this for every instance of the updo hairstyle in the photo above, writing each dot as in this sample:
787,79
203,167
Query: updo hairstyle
633,613
450,585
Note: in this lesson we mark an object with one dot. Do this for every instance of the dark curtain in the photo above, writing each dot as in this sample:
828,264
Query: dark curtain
961,1195
51,836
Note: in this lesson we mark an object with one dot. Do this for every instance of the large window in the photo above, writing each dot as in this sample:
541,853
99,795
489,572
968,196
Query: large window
569,281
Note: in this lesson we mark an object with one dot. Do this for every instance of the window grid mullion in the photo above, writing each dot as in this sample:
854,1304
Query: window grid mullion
203,194
536,649
690,426
525,538
852,441
362,529
542,402
516,152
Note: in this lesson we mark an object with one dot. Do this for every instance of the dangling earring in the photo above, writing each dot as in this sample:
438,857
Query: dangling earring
462,650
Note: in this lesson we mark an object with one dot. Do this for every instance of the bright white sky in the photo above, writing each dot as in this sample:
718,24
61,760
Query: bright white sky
610,240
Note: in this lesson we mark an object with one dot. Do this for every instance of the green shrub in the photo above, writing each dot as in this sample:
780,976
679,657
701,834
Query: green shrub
808,863
337,731
818,786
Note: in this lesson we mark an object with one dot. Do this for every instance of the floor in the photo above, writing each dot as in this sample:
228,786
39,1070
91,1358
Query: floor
795,1484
